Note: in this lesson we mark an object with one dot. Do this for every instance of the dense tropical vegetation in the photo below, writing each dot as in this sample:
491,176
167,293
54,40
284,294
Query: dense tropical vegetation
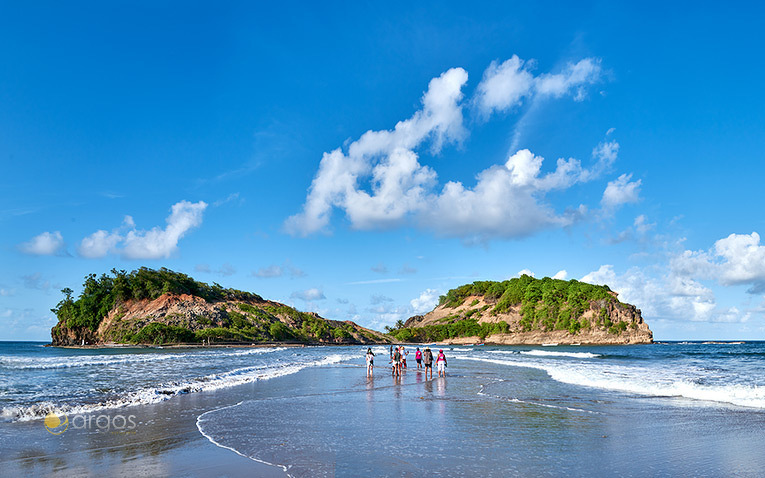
240,316
543,304
100,294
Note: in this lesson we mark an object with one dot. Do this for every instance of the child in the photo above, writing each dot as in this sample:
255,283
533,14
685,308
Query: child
370,362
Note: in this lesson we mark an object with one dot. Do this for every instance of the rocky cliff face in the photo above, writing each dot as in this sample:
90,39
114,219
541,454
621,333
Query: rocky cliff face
600,313
194,314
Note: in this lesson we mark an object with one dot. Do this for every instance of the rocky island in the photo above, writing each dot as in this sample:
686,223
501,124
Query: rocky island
159,307
156,307
528,311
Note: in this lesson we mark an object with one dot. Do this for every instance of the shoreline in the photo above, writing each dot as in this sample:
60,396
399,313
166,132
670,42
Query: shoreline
199,346
481,419
500,339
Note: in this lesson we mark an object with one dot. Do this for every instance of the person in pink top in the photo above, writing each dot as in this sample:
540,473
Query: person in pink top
441,363
418,357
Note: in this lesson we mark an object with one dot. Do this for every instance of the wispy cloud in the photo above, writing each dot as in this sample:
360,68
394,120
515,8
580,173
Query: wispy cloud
275,270
231,198
308,295
379,299
374,281
225,270
36,281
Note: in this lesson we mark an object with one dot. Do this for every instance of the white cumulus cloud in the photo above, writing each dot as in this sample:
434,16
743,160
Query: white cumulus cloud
425,302
156,243
397,178
99,244
45,244
742,259
505,85
738,259
161,243
621,191
675,292
379,182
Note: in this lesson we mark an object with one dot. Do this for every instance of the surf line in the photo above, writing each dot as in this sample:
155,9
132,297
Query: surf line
212,440
482,392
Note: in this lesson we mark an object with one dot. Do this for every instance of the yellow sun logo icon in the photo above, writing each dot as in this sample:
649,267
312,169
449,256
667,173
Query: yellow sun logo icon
56,422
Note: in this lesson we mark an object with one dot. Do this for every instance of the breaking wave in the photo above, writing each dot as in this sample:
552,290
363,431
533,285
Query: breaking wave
644,381
165,391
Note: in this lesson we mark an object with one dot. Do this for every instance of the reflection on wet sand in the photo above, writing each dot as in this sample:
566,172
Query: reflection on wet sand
161,445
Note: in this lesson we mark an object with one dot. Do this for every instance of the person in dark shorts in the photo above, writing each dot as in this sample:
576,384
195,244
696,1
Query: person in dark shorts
418,358
427,359
396,362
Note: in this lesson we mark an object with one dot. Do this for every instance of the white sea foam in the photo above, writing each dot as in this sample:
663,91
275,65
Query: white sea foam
643,381
27,363
100,360
163,392
545,353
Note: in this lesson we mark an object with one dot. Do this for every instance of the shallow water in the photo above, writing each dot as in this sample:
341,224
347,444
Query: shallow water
657,410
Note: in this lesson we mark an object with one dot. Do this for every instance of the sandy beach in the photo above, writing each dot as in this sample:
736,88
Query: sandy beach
484,419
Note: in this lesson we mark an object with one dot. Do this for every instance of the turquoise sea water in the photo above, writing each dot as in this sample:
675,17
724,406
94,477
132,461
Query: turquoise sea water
654,410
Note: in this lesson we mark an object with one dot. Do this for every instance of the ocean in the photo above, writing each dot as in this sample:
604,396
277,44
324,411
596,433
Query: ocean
665,409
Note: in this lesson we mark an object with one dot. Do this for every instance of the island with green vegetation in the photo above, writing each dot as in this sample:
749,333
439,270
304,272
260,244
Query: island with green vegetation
528,311
158,307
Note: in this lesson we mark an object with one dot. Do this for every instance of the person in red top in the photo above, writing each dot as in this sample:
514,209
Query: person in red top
418,357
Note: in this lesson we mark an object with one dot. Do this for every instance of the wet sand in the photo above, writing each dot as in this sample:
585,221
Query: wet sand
481,420
164,442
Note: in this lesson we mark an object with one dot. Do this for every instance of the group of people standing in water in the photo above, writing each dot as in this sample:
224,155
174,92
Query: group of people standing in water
398,361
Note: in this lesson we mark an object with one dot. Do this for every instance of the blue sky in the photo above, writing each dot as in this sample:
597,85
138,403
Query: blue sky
360,159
